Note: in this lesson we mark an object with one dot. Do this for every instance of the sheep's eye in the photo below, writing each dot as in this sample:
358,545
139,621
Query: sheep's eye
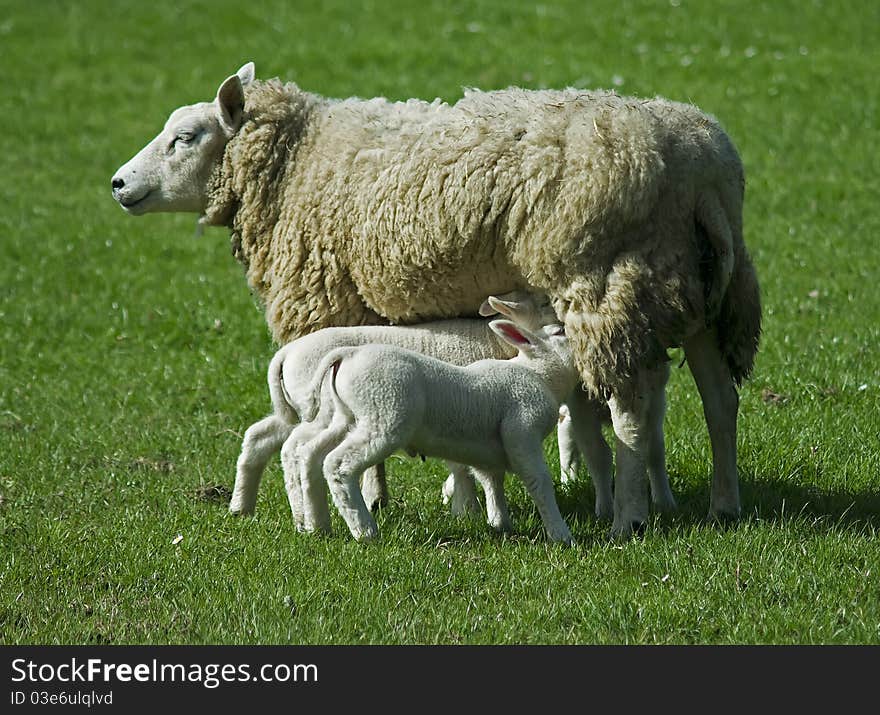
184,138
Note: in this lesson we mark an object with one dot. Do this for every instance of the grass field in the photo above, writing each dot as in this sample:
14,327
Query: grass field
132,356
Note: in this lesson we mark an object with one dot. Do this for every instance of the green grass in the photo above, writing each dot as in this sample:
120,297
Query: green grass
132,355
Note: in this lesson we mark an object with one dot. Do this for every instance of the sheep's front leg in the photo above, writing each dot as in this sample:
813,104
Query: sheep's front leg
374,487
569,455
343,465
497,513
720,406
631,417
527,460
460,490
586,426
261,440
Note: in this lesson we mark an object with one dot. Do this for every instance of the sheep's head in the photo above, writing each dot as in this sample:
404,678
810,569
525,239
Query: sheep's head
171,172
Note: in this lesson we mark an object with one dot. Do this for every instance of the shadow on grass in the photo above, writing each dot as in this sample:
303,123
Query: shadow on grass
764,497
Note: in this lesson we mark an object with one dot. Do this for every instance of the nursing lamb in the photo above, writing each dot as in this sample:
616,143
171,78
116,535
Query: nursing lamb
377,399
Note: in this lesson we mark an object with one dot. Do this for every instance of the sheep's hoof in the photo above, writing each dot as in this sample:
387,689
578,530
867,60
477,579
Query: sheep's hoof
626,532
724,519
605,512
665,505
561,536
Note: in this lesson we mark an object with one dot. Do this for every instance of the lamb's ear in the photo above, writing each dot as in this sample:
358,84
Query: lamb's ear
510,332
486,309
246,74
230,104
494,305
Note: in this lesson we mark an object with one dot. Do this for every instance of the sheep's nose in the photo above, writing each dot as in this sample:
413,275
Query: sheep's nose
117,183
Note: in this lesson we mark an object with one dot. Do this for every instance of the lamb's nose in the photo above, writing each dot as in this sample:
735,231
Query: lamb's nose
117,183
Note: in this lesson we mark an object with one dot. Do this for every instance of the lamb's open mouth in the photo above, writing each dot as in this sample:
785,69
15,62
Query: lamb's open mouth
132,204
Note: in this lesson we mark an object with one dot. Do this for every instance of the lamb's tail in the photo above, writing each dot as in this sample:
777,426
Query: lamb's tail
713,221
281,403
310,399
739,320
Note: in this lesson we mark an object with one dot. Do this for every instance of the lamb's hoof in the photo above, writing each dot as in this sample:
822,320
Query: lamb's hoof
447,491
375,499
466,508
237,510
367,537
502,527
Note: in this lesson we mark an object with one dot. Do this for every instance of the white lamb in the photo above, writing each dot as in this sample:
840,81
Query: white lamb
492,415
459,342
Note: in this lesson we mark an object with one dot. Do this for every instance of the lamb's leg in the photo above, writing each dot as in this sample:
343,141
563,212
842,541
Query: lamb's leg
497,513
459,488
526,457
374,487
301,434
630,418
292,482
261,440
586,420
310,456
661,494
358,450
720,406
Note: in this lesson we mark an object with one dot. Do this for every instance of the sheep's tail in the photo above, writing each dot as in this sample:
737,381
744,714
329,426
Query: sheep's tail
739,320
281,403
311,397
711,217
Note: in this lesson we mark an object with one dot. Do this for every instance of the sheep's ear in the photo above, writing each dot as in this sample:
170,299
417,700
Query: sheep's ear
510,332
246,74
230,104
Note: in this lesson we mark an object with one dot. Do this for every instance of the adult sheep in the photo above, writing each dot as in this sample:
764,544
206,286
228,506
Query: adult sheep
626,212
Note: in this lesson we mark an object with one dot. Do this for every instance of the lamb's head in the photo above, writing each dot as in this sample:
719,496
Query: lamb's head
528,310
546,350
171,173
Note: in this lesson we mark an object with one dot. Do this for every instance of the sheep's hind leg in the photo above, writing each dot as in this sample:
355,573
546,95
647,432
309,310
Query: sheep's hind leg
586,424
374,487
357,451
720,406
261,440
497,514
661,494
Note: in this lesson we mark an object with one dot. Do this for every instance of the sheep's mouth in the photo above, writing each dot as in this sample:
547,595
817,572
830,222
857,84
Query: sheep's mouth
129,205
